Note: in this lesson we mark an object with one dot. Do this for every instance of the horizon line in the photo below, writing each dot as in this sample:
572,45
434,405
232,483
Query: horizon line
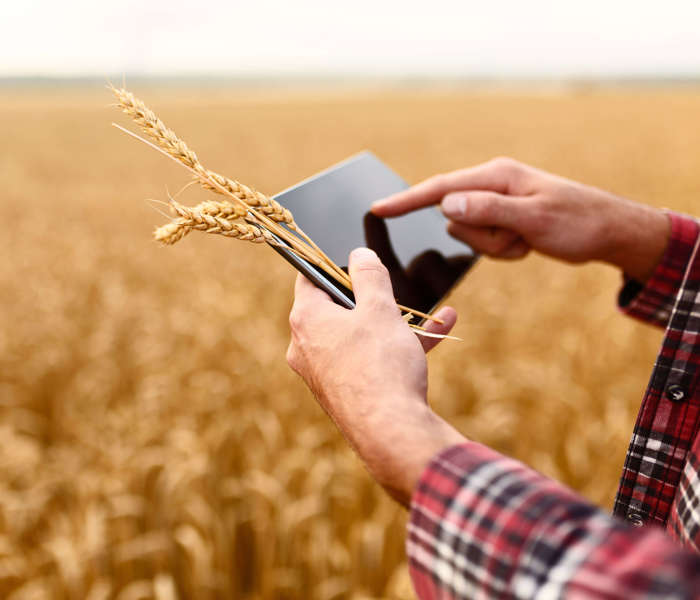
354,79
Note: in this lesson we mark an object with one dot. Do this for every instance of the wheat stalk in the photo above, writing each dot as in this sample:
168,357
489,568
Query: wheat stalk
177,148
155,128
265,211
303,247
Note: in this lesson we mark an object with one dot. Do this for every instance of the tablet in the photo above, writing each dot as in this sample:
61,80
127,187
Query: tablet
332,207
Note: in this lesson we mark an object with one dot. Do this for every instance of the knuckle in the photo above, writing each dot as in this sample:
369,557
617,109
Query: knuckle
295,319
372,267
502,242
505,163
512,171
438,181
292,357
542,211
545,200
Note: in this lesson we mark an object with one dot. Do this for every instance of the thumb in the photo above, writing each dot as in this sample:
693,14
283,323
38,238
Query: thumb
370,279
483,209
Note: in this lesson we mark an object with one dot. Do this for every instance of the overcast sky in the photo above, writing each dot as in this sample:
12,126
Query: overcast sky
455,38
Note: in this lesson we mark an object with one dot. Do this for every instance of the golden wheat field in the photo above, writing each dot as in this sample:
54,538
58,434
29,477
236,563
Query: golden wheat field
154,443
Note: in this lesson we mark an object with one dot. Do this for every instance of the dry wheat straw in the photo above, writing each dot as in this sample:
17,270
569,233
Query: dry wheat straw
263,210
259,204
304,248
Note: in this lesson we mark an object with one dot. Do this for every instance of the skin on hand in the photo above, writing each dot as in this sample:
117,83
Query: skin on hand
368,371
504,209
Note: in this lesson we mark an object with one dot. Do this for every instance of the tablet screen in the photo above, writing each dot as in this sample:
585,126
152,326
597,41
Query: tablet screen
333,209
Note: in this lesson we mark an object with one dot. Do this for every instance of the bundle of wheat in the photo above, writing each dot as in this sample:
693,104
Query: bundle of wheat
247,214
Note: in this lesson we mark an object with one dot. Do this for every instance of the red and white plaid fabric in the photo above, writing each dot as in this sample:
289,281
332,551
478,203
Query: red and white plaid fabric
485,526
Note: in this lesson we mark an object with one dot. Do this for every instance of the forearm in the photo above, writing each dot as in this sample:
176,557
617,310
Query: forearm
399,454
483,525
638,237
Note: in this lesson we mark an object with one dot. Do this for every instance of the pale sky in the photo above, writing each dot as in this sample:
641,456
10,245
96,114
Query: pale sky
455,38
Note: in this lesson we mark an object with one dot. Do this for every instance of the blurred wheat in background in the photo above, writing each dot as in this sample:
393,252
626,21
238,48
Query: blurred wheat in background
153,442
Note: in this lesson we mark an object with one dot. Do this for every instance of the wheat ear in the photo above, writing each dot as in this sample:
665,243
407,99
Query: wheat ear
168,140
168,143
308,251
222,209
251,197
194,219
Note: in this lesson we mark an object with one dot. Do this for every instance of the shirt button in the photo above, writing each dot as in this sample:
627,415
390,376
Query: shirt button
635,519
675,392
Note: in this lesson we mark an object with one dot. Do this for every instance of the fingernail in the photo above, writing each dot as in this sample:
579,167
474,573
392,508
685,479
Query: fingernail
362,254
454,205
378,203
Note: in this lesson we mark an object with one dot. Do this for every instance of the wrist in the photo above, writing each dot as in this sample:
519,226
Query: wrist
405,445
641,240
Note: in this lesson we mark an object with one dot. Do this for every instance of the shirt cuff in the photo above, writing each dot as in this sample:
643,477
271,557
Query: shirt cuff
652,302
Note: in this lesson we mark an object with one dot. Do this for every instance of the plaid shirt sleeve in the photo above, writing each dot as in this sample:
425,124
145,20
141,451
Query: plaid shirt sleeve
485,526
654,301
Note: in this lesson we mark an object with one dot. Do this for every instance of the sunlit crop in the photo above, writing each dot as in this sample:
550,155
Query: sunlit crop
154,443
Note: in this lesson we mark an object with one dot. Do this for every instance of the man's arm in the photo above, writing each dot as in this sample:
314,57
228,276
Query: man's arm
485,526
481,525
504,209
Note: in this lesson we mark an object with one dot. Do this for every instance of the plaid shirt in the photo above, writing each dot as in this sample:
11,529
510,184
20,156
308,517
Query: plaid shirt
483,525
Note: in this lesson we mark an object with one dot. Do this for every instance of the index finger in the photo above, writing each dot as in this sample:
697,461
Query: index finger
493,176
